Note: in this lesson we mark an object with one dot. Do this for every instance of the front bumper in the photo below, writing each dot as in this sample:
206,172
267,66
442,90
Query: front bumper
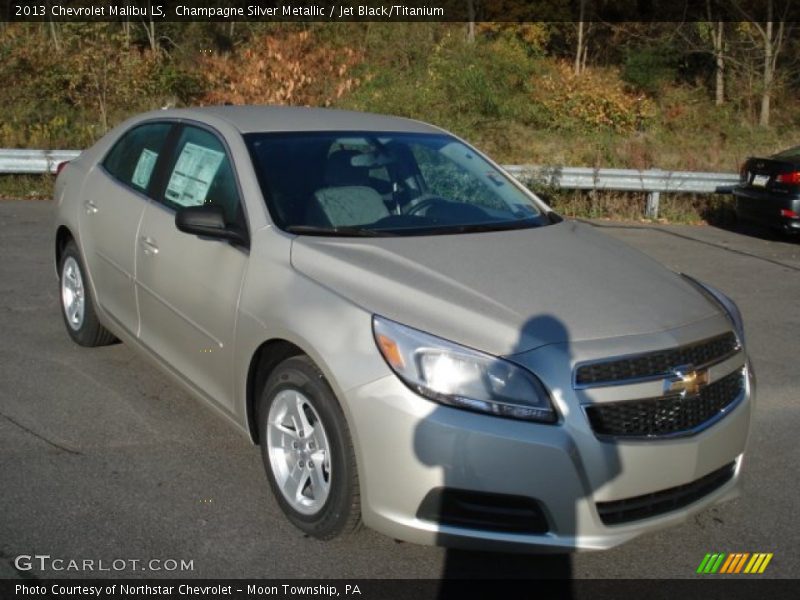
409,446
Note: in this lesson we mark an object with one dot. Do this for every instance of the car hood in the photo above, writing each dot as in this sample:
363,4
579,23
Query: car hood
506,292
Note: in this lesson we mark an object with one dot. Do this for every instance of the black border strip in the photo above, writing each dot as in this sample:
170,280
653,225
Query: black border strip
514,11
710,587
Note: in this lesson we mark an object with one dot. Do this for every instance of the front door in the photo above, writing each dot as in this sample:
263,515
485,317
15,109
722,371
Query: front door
187,287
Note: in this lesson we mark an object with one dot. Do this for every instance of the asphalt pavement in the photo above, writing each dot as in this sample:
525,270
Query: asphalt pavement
102,458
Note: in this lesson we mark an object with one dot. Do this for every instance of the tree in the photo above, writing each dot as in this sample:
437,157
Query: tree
471,21
769,37
580,51
717,34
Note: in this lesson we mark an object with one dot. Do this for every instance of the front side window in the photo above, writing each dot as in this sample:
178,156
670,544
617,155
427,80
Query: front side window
133,158
201,173
335,183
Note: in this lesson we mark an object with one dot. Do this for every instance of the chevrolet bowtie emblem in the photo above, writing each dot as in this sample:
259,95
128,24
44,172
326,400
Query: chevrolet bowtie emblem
686,382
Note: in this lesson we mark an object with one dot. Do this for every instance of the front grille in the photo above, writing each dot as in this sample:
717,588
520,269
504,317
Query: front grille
656,364
658,503
666,416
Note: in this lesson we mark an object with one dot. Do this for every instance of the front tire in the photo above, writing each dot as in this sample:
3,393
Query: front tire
307,451
77,303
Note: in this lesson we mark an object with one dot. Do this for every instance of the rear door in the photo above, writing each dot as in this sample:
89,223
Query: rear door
114,200
187,287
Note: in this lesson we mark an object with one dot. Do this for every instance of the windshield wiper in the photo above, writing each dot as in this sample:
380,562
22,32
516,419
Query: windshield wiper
479,227
337,231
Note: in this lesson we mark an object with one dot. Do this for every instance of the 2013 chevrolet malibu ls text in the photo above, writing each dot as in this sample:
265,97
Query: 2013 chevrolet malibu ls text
415,340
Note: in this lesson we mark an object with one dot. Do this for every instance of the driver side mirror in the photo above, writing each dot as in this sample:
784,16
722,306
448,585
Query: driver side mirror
207,220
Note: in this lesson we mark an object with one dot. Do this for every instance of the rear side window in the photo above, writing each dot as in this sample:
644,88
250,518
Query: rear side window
201,173
133,158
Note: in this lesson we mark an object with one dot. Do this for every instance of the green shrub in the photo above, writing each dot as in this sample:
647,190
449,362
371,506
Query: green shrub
649,68
595,100
98,80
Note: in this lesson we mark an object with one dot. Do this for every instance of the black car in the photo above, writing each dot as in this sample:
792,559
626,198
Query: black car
769,191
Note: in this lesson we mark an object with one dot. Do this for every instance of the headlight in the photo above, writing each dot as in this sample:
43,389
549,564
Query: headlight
724,302
458,376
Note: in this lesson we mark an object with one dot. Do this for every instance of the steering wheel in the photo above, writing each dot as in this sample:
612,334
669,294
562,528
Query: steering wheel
422,203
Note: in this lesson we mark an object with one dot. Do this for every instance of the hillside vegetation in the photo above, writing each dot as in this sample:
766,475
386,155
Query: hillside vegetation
637,96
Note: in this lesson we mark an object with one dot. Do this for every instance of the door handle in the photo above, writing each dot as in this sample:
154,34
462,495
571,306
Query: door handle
91,207
148,245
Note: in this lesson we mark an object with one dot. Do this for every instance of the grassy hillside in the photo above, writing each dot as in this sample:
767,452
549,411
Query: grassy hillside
512,90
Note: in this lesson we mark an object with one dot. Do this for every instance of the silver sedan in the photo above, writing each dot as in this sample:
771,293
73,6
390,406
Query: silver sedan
414,340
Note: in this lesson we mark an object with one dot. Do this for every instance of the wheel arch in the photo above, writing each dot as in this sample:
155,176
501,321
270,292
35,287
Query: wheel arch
63,237
264,360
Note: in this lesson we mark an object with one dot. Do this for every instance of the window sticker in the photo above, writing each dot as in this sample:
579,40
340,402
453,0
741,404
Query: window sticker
193,174
144,168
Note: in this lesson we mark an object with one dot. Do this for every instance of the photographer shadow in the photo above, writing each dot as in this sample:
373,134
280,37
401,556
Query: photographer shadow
462,462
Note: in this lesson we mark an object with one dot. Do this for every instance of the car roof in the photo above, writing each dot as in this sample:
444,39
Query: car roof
253,119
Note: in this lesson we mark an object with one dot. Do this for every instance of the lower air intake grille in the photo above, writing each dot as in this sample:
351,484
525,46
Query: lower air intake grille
482,510
666,416
658,503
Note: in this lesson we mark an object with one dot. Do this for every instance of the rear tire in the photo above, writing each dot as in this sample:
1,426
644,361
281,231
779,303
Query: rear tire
307,451
77,303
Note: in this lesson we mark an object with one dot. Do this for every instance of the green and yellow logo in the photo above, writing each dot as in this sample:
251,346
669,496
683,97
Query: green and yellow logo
735,562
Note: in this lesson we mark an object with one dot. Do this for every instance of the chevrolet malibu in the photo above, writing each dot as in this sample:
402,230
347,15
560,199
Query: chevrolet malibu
414,340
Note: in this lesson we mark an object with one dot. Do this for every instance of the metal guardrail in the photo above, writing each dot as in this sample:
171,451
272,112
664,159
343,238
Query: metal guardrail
653,182
33,161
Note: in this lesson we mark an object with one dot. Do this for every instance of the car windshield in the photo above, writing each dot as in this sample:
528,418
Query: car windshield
382,184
